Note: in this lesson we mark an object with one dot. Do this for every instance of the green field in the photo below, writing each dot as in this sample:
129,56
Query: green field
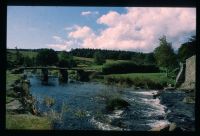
88,64
25,53
153,76
11,78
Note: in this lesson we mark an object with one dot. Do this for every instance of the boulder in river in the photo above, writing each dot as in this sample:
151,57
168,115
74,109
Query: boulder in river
161,128
116,103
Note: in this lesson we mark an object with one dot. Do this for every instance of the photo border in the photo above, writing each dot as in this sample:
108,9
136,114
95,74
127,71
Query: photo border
99,3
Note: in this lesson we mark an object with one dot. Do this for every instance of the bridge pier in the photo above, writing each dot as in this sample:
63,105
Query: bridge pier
44,75
63,75
82,75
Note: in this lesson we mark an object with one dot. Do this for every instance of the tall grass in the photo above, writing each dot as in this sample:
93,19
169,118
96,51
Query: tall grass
144,80
48,101
25,121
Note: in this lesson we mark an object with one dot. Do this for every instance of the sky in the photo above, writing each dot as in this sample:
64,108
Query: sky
115,28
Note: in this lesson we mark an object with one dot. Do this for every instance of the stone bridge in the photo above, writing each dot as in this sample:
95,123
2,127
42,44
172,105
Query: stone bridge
63,76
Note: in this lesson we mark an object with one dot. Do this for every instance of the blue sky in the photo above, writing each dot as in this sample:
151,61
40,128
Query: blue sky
63,28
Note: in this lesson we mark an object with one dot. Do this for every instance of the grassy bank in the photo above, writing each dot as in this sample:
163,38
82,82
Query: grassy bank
25,121
146,80
14,120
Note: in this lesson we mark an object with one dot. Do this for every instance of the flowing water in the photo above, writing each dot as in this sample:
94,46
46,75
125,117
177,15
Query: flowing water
85,107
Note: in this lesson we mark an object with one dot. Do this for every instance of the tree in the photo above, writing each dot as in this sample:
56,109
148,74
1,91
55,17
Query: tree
187,49
98,58
46,57
18,57
165,56
66,60
149,59
28,61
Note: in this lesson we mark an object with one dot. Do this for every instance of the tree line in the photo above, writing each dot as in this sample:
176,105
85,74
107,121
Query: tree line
163,56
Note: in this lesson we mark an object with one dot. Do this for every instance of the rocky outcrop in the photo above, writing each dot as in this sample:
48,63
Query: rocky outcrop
14,106
24,102
179,109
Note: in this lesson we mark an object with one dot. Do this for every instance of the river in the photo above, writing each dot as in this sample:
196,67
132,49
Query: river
85,107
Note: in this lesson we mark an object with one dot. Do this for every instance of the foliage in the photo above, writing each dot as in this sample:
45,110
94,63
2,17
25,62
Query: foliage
145,80
46,57
25,121
112,54
116,103
66,60
80,113
48,101
128,67
9,99
19,57
99,58
28,61
187,49
165,56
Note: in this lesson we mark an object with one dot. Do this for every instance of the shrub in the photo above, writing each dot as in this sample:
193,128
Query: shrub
49,101
138,82
80,113
116,103
128,67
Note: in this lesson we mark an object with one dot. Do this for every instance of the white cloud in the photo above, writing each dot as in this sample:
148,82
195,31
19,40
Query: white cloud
64,44
70,28
140,28
81,32
58,46
137,29
86,13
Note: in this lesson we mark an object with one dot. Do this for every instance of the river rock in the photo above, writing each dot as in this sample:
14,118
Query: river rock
14,105
189,100
162,128
173,127
169,88
27,82
155,95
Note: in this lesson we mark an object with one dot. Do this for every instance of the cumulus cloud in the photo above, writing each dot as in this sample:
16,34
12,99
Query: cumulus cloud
81,32
86,13
138,29
62,44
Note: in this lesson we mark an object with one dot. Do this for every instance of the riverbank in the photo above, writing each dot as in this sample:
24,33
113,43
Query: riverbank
23,117
140,80
20,108
180,109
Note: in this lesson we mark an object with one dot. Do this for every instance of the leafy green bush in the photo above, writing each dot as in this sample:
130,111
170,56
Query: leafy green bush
116,103
138,82
48,101
128,67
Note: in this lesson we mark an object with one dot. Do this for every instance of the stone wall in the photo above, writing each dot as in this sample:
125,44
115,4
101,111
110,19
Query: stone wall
190,73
